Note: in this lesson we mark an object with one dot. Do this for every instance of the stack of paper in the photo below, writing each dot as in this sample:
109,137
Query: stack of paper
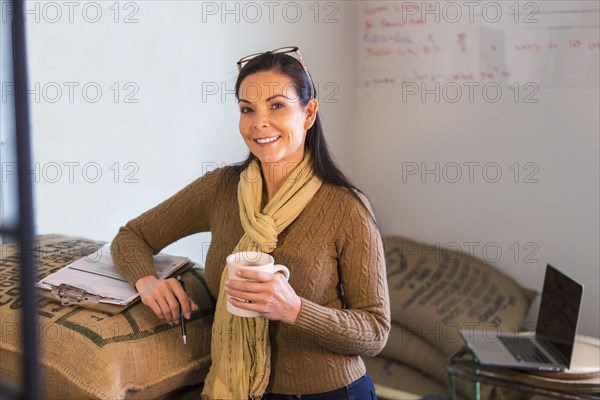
97,275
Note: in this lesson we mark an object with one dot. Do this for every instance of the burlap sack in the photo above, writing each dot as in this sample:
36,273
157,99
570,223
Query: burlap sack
86,354
435,291
408,348
396,375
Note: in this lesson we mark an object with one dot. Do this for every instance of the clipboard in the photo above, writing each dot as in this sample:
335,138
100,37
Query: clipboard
93,281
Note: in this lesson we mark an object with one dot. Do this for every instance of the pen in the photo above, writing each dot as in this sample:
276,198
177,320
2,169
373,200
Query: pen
181,317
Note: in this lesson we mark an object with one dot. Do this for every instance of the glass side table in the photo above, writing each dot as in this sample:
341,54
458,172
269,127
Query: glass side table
463,365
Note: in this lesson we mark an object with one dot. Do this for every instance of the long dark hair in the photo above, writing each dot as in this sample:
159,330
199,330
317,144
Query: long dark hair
324,166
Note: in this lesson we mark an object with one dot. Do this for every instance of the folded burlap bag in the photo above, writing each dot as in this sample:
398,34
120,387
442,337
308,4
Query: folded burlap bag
397,375
435,291
408,348
87,354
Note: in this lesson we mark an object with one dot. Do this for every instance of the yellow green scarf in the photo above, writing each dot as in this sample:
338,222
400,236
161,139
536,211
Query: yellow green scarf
240,351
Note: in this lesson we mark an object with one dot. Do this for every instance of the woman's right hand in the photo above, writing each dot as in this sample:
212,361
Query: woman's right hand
164,296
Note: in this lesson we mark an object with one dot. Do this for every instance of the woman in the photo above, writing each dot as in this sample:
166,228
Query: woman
290,200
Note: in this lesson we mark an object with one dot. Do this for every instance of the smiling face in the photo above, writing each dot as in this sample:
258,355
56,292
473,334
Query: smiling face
273,122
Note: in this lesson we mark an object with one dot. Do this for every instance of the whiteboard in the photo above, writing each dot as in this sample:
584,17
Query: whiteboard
550,43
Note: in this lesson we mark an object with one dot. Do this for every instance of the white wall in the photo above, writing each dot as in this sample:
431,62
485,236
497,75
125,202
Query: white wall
517,226
175,57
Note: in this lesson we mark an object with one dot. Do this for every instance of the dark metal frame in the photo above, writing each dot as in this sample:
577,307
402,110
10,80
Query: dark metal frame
24,230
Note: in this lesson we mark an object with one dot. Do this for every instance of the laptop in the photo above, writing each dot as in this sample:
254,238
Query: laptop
550,347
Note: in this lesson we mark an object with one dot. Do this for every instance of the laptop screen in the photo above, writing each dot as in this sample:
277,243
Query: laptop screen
559,311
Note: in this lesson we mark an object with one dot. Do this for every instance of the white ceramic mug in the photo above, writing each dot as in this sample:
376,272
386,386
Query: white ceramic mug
253,261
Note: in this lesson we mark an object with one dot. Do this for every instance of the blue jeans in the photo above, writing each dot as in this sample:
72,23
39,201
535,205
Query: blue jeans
360,389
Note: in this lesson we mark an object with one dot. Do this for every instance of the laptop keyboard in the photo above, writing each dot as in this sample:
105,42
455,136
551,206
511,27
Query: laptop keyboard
524,350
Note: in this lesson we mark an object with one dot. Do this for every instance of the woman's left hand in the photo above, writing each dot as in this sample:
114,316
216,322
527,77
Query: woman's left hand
269,294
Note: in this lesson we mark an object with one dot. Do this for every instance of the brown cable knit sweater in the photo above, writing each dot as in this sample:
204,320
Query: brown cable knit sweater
333,240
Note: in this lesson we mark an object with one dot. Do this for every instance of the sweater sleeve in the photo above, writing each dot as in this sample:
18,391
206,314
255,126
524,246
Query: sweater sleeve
185,213
361,327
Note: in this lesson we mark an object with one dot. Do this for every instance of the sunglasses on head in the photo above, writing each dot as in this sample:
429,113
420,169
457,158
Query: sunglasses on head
282,50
